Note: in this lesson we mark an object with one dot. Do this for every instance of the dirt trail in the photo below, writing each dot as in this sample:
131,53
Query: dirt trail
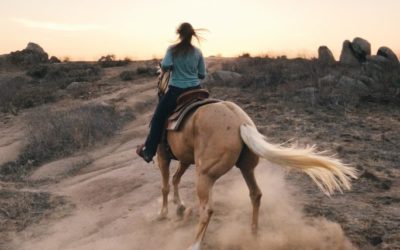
117,197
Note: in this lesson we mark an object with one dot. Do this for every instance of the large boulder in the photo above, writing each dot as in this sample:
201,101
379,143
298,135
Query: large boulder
361,48
388,54
325,56
347,56
35,48
32,54
370,82
356,52
352,89
225,76
54,59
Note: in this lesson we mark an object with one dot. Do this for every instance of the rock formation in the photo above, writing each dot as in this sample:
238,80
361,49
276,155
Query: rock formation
325,56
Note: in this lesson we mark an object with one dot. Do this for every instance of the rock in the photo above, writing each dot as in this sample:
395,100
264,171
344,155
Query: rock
79,89
32,54
35,48
371,83
325,56
361,48
347,55
378,59
327,80
308,94
54,59
76,85
388,54
225,76
351,89
375,67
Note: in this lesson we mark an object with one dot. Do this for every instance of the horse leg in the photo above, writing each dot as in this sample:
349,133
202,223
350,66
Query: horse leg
163,164
247,163
176,179
255,195
204,187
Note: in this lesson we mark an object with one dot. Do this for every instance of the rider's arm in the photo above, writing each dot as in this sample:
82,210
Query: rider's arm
166,63
201,67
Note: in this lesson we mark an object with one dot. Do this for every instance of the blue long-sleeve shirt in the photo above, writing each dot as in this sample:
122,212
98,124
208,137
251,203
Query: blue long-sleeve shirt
187,69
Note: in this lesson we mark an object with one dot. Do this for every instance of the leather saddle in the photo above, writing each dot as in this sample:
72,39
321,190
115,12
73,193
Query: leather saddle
186,103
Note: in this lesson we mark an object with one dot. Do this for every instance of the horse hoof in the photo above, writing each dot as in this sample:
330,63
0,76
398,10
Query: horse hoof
180,211
161,217
195,246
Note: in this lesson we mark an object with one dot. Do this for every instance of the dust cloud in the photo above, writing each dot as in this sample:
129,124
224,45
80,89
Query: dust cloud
283,224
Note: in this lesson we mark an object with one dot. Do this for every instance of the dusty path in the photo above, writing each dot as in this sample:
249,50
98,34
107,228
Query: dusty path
117,197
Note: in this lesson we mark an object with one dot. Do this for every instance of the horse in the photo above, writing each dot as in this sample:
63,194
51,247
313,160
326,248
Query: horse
218,136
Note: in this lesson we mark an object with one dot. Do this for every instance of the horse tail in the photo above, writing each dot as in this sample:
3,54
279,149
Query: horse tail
327,172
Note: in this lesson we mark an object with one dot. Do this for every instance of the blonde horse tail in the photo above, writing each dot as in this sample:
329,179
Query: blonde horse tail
327,172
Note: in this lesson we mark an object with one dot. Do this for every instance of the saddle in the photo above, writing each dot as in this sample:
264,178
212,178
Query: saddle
186,103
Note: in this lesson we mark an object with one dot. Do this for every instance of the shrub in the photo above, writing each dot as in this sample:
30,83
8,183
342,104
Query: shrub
152,71
54,134
21,92
61,75
109,61
127,75
37,71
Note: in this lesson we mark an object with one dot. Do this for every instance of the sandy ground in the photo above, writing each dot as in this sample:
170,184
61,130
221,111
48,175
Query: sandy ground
116,198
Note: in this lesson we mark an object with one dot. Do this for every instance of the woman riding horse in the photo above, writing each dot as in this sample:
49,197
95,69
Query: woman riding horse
188,68
217,136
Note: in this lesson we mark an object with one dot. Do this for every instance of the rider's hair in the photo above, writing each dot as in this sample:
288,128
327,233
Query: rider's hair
184,46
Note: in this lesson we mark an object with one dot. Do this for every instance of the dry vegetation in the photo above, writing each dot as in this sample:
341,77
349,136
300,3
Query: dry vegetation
287,98
44,84
58,133
362,130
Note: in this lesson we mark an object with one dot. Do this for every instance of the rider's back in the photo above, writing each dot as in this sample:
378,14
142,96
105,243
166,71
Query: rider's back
188,68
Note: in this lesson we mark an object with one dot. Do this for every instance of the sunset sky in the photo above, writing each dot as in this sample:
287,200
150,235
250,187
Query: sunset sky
142,29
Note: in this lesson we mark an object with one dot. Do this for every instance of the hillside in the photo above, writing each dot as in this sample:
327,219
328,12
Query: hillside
91,191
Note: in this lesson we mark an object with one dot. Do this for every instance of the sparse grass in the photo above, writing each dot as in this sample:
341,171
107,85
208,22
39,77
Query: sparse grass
290,76
23,92
19,209
54,134
61,75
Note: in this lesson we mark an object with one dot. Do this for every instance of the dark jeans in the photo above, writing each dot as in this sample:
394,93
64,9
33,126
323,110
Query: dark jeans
164,108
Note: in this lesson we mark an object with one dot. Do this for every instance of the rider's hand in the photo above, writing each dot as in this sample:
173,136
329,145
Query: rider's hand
160,72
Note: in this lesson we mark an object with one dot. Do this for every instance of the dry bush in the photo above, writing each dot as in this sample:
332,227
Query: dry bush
109,61
127,75
21,92
53,134
19,209
26,57
61,75
148,70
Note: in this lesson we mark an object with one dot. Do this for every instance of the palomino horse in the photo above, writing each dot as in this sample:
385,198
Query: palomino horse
221,135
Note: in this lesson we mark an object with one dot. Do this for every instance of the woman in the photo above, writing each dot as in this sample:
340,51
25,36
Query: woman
188,68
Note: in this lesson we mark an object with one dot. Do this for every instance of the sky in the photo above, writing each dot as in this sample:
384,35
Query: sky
143,29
